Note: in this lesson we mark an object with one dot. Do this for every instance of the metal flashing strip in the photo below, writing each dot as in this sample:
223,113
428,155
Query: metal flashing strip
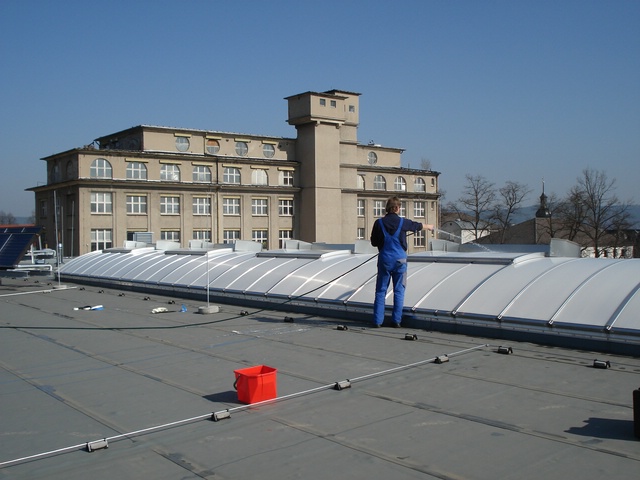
609,325
575,291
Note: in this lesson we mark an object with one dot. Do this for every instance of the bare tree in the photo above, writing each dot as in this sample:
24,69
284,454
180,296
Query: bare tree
508,201
7,218
603,211
570,214
425,164
621,232
476,201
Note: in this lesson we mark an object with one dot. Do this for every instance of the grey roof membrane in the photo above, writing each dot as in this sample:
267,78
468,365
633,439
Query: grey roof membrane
411,403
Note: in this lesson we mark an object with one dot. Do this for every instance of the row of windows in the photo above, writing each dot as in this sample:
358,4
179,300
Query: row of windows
103,238
334,104
419,208
419,238
102,203
212,146
101,168
399,184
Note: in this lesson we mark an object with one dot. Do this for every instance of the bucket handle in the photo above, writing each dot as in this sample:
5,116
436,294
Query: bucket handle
235,384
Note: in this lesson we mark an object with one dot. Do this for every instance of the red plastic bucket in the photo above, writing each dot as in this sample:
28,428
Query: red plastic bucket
256,384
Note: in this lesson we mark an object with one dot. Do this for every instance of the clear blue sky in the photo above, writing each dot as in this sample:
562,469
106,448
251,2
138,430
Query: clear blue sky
511,90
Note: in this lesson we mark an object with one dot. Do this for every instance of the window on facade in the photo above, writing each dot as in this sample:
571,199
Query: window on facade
260,236
170,235
133,144
136,204
213,146
361,208
182,144
69,170
204,235
55,173
333,104
433,206
170,173
283,236
419,185
379,183
286,178
201,205
360,182
400,184
433,182
259,177
419,239
230,206
231,175
101,202
323,102
403,209
101,239
170,205
285,207
418,209
378,208
259,206
372,158
136,171
242,149
201,173
101,168
268,150
43,209
360,233
352,108
230,236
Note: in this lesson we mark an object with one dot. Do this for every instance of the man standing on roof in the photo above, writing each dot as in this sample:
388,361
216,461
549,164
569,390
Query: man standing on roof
389,235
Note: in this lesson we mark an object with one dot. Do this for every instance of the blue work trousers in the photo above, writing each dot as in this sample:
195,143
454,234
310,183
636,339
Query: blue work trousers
397,272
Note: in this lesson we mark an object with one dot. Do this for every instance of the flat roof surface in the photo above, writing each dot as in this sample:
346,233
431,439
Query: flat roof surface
149,382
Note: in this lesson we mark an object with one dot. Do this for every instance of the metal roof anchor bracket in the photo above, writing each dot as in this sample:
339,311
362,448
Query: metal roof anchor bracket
410,336
505,350
97,445
442,359
601,364
342,385
221,415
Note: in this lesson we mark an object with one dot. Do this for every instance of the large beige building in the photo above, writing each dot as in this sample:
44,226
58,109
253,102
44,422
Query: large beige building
154,183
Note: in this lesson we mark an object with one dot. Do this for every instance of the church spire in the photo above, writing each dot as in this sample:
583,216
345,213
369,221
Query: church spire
543,211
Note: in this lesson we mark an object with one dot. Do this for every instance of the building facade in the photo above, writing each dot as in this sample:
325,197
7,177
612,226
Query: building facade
175,184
